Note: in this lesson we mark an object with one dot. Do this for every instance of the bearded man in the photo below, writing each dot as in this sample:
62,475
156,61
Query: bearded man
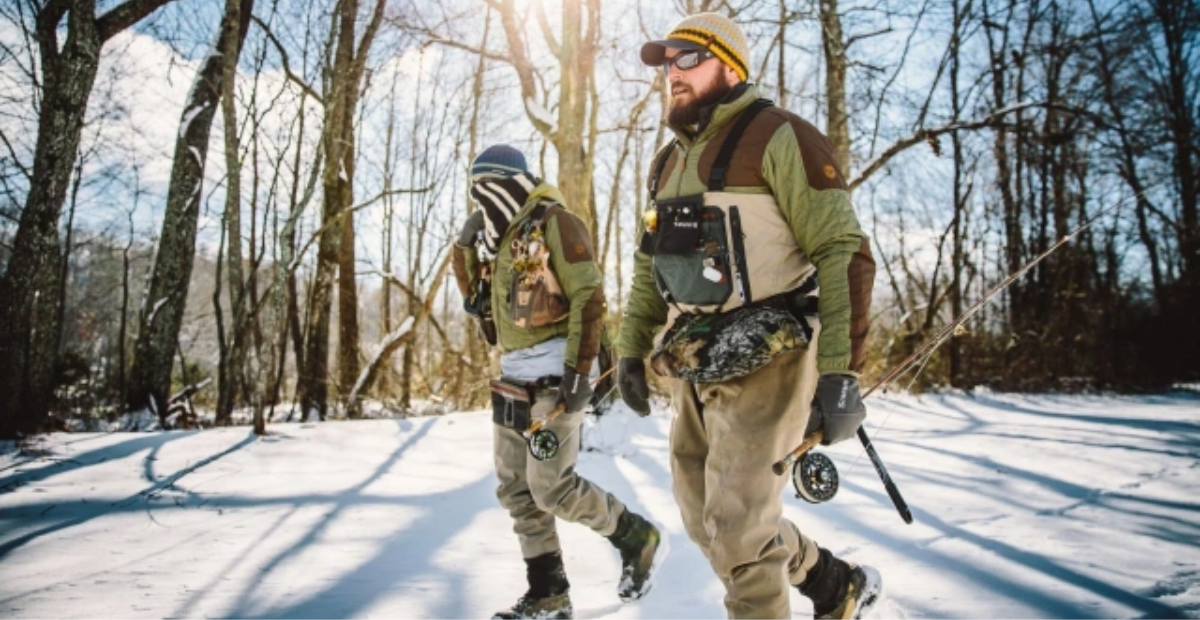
748,208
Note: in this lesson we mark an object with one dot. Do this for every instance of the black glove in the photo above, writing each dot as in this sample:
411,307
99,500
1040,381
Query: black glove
574,390
837,408
631,378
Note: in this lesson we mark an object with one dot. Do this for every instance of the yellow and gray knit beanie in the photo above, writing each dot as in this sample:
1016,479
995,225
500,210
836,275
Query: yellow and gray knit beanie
711,31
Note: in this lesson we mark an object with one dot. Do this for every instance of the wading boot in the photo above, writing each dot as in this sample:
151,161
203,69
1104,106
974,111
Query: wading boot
548,597
841,590
642,551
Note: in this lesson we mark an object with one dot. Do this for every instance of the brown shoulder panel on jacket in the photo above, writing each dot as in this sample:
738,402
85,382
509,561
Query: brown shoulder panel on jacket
861,275
819,162
745,169
576,241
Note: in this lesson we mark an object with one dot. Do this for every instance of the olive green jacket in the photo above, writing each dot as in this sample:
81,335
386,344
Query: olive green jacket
787,157
573,263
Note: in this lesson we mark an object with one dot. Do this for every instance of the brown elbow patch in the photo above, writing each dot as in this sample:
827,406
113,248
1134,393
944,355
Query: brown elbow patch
574,236
861,277
589,338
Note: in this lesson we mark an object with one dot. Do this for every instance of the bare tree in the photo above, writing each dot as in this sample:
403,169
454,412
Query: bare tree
574,49
161,318
233,349
335,252
29,290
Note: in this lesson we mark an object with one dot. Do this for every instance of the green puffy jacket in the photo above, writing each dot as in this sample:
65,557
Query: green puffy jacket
783,155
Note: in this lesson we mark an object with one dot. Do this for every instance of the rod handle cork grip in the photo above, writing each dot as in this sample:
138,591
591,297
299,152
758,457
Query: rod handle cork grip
810,441
561,407
538,424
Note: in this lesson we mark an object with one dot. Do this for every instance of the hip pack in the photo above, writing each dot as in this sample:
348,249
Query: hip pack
513,400
713,348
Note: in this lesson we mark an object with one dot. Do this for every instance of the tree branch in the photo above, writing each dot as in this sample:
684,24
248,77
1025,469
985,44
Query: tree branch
346,213
360,57
16,161
125,16
435,38
547,32
404,333
859,37
393,192
930,135
526,74
287,67
47,27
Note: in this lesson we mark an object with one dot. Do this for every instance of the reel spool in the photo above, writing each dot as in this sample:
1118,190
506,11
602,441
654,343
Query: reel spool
815,478
543,445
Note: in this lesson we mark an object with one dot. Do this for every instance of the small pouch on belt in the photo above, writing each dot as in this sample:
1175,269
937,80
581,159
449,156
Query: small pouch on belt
512,402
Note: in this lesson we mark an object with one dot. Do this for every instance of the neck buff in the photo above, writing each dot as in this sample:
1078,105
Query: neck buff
500,200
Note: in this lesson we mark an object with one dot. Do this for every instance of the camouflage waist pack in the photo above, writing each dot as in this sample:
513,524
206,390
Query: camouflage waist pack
711,348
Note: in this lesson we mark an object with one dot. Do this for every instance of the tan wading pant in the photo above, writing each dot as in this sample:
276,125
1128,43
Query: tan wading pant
535,492
724,439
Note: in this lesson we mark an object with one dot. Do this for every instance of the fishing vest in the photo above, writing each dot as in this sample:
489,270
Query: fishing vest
535,297
718,251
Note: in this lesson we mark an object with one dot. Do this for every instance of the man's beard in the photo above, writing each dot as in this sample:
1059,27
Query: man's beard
689,113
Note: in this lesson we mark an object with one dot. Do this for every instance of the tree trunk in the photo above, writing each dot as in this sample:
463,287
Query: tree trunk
383,384
1178,20
569,132
162,316
1013,238
837,127
338,144
960,197
30,292
234,363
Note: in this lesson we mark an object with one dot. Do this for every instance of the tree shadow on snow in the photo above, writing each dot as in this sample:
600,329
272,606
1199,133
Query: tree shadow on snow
1049,602
86,512
136,443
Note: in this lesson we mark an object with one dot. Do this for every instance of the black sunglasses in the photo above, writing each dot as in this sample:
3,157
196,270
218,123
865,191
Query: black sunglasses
686,60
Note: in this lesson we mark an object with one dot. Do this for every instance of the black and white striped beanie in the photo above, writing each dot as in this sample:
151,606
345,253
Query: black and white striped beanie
500,183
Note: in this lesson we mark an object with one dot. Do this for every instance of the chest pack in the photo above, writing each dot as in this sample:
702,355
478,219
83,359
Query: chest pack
707,247
535,295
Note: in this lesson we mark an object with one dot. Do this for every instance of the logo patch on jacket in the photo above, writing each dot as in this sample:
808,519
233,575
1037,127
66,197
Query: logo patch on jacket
576,242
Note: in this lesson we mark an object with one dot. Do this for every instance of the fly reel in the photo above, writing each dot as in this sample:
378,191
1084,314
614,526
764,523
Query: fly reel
543,444
815,478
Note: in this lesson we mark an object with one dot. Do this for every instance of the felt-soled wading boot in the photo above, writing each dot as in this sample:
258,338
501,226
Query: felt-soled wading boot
841,590
642,551
548,597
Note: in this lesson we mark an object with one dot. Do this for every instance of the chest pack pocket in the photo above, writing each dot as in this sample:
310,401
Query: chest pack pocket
691,252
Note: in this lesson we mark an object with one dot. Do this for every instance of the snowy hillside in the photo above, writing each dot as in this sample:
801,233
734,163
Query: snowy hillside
1025,507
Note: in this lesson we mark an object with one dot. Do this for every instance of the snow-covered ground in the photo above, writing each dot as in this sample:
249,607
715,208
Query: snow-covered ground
1025,507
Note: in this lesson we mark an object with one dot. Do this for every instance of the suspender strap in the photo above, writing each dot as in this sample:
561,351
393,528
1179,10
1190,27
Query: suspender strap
659,165
536,217
716,179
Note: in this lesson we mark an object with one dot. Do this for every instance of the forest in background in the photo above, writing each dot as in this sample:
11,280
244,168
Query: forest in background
300,261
